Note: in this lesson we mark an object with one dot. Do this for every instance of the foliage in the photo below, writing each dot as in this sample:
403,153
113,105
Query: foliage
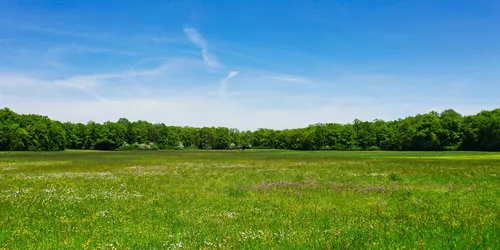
445,131
138,146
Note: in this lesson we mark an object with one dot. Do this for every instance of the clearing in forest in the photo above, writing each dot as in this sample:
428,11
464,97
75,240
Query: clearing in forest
254,199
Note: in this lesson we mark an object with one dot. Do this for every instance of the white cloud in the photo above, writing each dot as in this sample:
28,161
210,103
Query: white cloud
188,107
173,38
223,83
94,80
197,39
23,85
61,32
293,79
16,80
205,110
166,93
97,50
85,81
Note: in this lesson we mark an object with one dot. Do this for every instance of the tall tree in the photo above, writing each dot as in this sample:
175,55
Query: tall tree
447,130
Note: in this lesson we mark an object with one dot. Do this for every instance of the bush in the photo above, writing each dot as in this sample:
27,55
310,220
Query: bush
145,146
232,146
338,147
373,148
137,146
355,148
127,146
180,146
450,148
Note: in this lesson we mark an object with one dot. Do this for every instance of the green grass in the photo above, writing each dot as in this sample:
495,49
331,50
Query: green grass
257,199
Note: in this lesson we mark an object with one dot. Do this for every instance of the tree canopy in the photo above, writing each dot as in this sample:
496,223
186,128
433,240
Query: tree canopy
447,130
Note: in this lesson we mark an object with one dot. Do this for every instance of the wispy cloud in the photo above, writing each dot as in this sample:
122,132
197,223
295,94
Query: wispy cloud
56,56
166,39
250,109
90,84
86,82
195,109
245,56
293,79
61,32
91,49
223,83
16,80
197,39
55,64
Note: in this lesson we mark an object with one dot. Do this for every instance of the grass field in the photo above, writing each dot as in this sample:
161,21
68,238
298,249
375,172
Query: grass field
261,199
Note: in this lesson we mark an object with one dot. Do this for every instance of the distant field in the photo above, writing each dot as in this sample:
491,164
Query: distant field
257,199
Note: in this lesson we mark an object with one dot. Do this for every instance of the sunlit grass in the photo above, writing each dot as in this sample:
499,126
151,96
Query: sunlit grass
254,200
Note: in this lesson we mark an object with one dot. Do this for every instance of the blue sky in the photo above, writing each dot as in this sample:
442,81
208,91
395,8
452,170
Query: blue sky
248,64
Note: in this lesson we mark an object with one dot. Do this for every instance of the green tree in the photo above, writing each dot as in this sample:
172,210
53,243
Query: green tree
451,134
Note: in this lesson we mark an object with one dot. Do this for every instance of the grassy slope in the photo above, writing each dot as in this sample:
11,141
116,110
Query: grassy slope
255,199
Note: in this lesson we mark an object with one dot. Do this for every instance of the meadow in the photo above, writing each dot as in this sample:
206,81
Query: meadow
257,199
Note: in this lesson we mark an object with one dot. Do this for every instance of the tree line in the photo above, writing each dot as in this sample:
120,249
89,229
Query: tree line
432,131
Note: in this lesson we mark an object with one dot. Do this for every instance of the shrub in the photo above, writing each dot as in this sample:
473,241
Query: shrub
137,146
450,148
355,148
373,148
145,146
126,146
338,147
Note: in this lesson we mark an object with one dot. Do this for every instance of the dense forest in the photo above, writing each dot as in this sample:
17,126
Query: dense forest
448,130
